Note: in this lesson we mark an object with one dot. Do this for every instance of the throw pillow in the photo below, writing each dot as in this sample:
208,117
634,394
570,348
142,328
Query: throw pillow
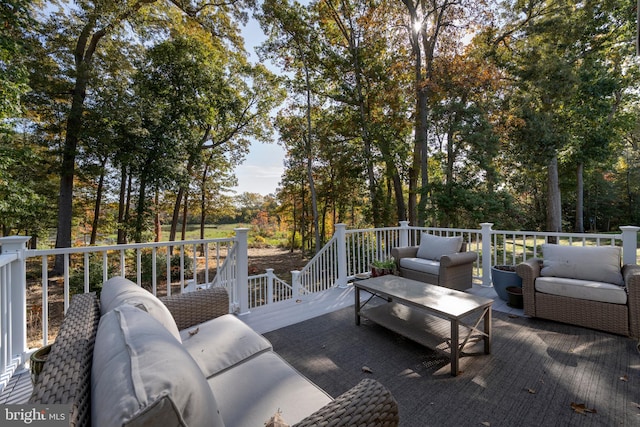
434,247
119,290
595,263
142,376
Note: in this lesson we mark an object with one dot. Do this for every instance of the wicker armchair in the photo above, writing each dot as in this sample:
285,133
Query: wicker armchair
66,376
615,318
455,271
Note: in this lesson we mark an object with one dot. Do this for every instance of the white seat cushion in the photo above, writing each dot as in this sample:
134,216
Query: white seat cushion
433,247
142,376
420,264
582,289
119,290
251,392
220,343
595,263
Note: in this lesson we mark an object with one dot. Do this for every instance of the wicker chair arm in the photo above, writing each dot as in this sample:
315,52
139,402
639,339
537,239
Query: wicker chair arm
192,308
66,375
529,271
404,252
458,258
367,404
631,274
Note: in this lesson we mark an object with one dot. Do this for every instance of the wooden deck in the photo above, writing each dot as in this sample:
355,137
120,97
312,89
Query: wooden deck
265,319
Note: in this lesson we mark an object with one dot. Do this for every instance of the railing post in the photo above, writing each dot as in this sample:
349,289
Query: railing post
629,244
269,285
404,234
18,302
486,254
242,278
341,242
295,285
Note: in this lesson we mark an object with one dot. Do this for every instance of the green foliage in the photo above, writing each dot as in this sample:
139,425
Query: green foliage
96,277
161,267
389,263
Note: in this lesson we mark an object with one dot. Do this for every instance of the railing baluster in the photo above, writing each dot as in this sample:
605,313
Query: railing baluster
66,282
86,272
154,270
45,300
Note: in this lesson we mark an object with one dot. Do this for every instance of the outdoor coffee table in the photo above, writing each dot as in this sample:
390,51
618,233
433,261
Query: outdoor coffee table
427,314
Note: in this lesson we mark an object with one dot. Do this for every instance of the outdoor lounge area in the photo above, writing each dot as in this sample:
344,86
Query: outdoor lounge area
539,372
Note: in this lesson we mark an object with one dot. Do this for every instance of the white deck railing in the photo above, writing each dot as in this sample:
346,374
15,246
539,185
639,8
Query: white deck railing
168,267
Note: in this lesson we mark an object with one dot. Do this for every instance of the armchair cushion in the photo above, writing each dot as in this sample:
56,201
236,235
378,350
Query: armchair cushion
221,343
420,264
582,289
263,385
142,375
434,247
598,264
119,290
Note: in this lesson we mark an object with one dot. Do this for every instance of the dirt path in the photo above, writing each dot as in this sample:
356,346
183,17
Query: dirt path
281,260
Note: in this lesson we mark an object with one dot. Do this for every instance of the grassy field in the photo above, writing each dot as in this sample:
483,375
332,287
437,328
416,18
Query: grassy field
221,231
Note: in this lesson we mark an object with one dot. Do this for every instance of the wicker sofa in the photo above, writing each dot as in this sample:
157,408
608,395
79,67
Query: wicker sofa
583,286
121,361
442,261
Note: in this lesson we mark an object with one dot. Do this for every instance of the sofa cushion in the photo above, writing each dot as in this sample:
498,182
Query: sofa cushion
251,392
420,264
220,343
582,289
142,376
119,290
593,263
433,247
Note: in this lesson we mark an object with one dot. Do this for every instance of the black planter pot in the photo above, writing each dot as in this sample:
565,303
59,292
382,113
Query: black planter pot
515,297
502,277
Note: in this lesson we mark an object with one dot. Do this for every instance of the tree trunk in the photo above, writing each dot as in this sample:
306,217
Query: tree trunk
127,208
96,208
67,169
203,200
185,212
122,234
176,214
554,208
579,226
137,235
156,221
308,147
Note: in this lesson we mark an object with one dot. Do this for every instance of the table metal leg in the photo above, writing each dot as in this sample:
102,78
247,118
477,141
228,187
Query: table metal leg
487,331
357,304
455,347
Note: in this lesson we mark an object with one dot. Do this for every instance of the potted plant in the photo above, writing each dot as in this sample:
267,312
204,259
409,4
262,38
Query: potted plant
383,267
37,361
503,277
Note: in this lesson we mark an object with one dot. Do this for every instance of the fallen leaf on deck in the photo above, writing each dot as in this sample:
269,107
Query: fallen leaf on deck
580,408
298,300
367,370
637,405
195,331
624,378
531,391
486,423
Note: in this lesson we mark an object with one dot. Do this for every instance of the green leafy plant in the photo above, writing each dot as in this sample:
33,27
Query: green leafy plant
389,263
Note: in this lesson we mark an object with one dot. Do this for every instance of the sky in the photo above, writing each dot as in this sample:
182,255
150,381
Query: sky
264,165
